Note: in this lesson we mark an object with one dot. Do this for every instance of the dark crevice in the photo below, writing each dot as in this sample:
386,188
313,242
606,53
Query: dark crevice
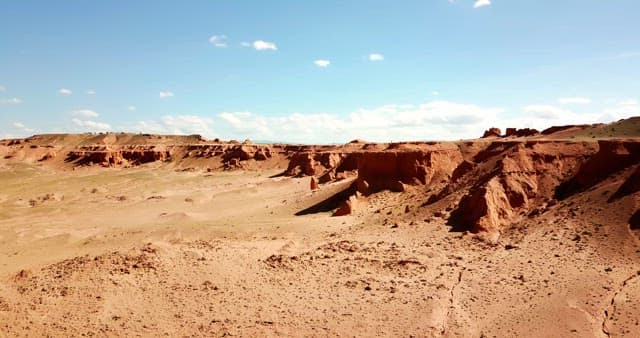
452,300
610,311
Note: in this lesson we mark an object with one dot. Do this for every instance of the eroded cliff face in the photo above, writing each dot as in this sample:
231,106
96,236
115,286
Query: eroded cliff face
612,156
483,185
117,157
123,151
513,182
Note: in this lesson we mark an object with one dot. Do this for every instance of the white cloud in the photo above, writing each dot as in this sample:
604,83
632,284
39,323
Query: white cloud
176,124
187,124
264,45
219,41
432,120
13,100
628,102
91,125
546,112
22,127
625,109
91,92
376,57
166,94
574,100
131,108
322,63
85,113
435,120
3,88
544,116
481,3
65,91
435,93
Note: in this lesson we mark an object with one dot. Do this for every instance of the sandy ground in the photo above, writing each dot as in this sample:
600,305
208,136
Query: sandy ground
151,251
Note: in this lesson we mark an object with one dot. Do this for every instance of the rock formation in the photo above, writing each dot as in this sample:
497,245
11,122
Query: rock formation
484,185
314,183
492,132
525,132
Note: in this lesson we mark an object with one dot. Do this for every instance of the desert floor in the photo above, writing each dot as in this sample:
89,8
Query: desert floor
151,251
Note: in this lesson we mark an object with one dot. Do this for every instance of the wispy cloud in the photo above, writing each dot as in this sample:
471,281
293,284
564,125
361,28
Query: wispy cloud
176,124
625,109
264,45
131,108
91,125
322,63
219,41
164,95
625,55
574,100
376,57
65,91
481,3
183,124
22,127
91,92
85,113
629,102
542,111
13,100
3,88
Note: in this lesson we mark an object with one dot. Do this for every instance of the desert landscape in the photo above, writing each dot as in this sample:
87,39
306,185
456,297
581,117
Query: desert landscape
521,234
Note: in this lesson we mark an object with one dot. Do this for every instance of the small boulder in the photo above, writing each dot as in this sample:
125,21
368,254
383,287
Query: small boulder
348,207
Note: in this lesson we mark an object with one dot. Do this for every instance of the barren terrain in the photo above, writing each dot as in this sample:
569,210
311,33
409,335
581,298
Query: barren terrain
534,235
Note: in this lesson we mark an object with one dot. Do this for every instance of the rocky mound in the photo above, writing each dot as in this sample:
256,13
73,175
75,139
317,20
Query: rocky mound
484,186
509,184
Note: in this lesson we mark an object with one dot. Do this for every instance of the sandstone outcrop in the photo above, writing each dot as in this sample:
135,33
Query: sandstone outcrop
524,132
484,185
492,132
348,207
107,157
612,156
313,185
509,184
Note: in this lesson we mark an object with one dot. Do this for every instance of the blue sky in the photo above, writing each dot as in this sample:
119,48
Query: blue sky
322,71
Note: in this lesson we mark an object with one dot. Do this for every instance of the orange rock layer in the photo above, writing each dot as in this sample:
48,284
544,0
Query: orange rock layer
484,185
